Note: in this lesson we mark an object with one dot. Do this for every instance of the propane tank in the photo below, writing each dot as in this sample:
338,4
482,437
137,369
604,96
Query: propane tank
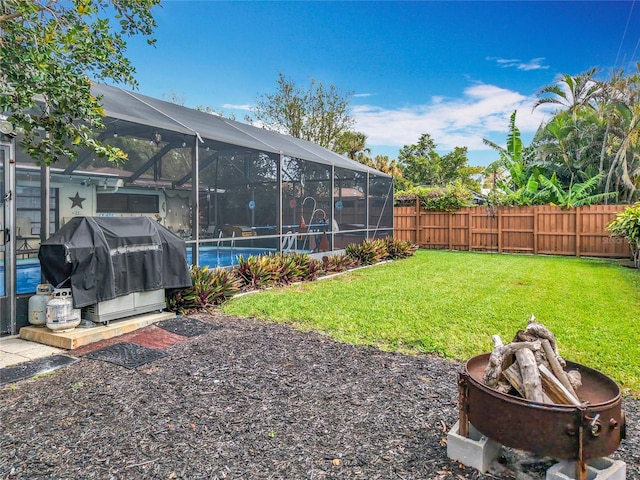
38,304
61,316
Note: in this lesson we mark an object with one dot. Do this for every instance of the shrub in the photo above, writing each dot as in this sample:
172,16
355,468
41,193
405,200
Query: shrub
338,263
255,272
447,199
208,288
367,252
278,269
310,268
627,225
285,269
399,248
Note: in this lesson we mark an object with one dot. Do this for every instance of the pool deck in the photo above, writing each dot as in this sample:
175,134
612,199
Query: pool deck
14,351
36,342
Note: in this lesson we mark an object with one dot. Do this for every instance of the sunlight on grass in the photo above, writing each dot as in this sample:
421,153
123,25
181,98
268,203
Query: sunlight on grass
450,303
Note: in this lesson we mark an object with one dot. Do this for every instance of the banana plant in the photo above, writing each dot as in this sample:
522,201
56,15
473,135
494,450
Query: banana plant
513,152
575,195
521,185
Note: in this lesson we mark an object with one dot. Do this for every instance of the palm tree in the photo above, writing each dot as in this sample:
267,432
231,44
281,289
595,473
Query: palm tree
570,147
571,92
625,165
352,143
624,169
595,132
606,102
569,142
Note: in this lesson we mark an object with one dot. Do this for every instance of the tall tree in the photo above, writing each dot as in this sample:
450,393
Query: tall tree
420,161
423,166
49,51
571,92
624,170
558,144
625,166
352,143
595,132
318,114
391,167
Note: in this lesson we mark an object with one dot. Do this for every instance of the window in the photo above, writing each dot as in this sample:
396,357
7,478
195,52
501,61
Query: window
127,203
28,207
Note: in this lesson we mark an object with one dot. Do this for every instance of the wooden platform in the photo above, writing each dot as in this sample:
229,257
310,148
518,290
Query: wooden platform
80,336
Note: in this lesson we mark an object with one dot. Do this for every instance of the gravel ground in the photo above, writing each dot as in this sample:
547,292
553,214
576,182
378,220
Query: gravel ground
252,400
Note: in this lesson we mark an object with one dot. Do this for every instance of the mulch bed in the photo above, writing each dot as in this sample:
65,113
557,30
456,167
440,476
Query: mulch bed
251,400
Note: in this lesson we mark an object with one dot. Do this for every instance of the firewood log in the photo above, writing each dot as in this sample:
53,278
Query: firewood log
512,374
498,356
503,386
524,336
554,388
494,367
530,375
575,378
540,331
556,368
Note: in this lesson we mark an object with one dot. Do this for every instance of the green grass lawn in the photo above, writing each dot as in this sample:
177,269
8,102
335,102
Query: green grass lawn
450,303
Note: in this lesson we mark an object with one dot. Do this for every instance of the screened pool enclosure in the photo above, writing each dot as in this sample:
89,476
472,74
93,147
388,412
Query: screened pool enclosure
227,188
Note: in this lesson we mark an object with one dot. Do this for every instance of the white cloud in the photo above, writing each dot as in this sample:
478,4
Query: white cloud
362,95
533,64
232,106
482,111
505,62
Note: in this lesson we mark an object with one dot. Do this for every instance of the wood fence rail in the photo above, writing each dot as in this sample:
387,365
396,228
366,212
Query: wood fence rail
537,230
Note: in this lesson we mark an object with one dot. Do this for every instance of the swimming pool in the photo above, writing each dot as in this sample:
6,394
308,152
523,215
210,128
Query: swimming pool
28,271
27,276
225,256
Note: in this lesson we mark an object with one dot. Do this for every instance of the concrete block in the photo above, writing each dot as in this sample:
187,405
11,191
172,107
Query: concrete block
597,469
477,451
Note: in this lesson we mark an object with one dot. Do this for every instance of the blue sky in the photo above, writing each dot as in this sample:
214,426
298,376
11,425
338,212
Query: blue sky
453,69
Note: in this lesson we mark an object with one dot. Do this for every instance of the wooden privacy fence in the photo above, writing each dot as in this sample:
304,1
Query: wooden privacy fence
538,230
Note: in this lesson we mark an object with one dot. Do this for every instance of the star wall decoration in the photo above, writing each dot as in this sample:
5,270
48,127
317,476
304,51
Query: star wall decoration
76,201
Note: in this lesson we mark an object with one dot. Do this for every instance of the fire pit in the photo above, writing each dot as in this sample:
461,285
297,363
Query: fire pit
591,430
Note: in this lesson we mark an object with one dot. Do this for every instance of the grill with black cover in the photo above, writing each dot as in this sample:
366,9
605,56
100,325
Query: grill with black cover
101,258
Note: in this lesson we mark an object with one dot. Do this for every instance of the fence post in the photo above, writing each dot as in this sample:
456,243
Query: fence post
417,236
470,226
500,229
578,227
451,214
535,230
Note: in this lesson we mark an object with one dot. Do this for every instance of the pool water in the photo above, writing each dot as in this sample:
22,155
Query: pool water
28,271
225,256
27,276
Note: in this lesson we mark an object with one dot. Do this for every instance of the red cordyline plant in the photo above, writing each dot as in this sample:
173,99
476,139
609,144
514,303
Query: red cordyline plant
208,289
255,272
